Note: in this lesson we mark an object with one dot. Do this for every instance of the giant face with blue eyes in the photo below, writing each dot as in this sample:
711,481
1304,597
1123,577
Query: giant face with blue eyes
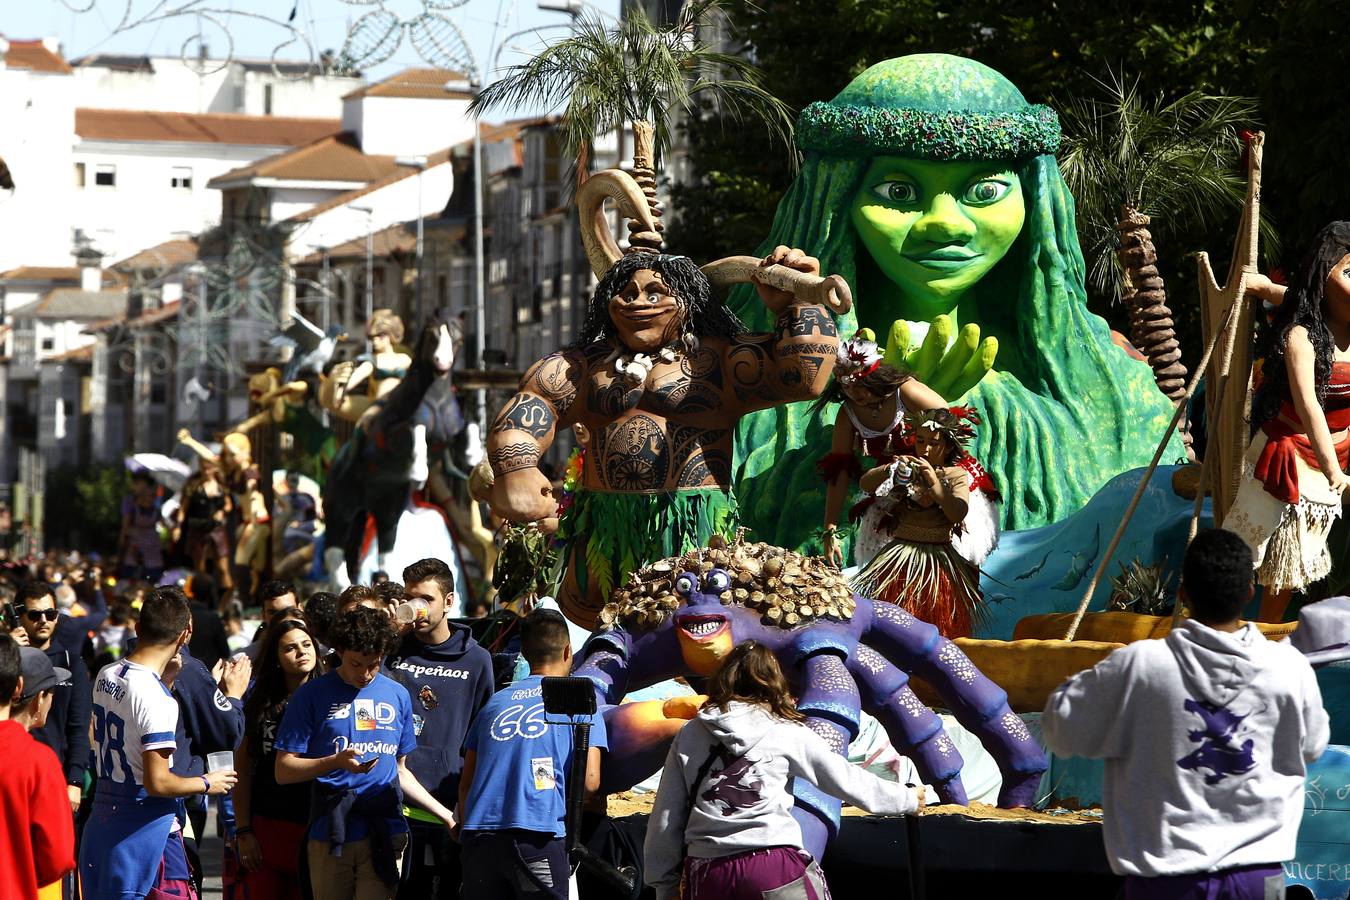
936,228
703,627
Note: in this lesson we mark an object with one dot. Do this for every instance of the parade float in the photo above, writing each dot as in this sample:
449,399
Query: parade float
930,191
373,523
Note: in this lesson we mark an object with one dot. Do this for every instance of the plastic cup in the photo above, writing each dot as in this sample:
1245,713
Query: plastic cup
412,611
220,761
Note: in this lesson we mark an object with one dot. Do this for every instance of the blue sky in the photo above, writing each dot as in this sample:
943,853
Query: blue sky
486,24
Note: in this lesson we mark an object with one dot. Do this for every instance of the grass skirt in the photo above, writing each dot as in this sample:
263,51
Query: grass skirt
1288,540
618,533
931,581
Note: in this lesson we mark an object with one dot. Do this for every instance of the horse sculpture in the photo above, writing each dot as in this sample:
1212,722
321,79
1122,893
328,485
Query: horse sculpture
372,473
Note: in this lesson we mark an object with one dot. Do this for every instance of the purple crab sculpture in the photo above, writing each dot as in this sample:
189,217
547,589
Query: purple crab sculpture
842,652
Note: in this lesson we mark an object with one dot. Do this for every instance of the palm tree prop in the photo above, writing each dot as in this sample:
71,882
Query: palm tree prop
636,73
1129,159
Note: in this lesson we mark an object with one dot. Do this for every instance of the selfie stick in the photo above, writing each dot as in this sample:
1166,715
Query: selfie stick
571,696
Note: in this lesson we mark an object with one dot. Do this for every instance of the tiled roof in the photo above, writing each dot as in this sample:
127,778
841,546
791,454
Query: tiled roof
42,273
422,84
208,128
34,56
491,134
335,158
155,316
168,255
79,354
75,304
117,61
401,238
439,158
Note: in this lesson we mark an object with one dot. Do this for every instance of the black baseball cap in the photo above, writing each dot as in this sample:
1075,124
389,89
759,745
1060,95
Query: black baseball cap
38,673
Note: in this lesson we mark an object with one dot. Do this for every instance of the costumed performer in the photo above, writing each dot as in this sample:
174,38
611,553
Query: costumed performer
930,185
379,372
659,376
924,499
284,405
200,523
874,398
1301,419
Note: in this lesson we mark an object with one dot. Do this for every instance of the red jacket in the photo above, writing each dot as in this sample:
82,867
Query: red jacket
37,832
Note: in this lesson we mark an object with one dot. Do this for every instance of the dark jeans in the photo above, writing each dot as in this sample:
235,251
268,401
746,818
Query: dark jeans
432,864
1241,883
524,865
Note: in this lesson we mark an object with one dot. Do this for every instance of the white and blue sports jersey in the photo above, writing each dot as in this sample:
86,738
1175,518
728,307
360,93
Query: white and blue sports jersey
128,833
133,712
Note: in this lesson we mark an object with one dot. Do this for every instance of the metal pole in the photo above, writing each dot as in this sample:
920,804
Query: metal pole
421,313
327,282
480,303
370,269
201,347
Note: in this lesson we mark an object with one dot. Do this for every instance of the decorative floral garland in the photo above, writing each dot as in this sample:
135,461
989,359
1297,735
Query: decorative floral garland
576,464
862,131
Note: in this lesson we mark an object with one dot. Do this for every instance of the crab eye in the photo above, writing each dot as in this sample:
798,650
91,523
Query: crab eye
717,581
684,585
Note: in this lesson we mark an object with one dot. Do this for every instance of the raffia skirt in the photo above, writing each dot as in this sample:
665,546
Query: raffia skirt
1288,540
933,582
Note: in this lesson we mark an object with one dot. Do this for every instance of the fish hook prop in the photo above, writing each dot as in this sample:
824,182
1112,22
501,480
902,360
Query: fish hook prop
603,251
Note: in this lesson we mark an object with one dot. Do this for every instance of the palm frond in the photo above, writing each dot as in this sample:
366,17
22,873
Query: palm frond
606,76
1177,161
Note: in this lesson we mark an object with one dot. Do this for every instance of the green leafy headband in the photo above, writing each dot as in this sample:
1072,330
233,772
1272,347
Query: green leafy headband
949,135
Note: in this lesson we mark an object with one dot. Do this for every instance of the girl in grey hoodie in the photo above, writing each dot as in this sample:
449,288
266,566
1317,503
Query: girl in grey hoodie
723,822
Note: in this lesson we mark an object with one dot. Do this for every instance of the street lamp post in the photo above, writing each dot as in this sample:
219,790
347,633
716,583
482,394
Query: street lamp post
370,259
479,288
419,163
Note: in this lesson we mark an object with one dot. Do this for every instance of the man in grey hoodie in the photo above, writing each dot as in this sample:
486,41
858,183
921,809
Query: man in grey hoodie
1206,735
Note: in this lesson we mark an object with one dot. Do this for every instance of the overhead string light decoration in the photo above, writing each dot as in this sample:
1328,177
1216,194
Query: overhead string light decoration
211,20
377,35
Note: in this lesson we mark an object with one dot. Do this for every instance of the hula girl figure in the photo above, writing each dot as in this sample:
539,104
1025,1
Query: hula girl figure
930,185
1301,419
875,399
924,499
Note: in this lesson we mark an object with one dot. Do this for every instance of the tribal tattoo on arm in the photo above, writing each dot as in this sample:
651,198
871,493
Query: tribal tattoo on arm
538,409
794,363
527,413
509,457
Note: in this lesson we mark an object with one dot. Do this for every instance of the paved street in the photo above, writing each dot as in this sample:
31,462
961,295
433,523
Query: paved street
211,847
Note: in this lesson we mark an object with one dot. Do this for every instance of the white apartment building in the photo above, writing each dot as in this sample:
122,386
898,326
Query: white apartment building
89,142
161,163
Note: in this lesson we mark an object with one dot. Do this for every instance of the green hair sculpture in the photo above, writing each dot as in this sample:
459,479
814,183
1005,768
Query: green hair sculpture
931,186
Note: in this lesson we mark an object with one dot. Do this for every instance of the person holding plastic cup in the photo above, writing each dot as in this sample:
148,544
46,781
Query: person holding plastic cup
270,818
449,677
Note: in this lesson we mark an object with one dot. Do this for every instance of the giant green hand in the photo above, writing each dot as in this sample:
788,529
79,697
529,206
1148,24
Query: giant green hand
950,371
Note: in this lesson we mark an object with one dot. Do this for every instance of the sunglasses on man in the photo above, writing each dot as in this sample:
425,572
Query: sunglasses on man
37,615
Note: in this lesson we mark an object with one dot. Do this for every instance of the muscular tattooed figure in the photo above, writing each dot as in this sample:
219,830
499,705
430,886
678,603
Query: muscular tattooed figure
659,379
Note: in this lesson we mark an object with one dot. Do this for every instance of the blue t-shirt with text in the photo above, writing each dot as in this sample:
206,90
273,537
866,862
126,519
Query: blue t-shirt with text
327,716
520,774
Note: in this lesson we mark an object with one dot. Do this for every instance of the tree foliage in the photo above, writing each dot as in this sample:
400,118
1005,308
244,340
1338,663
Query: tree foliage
1283,54
635,70
1179,162
83,506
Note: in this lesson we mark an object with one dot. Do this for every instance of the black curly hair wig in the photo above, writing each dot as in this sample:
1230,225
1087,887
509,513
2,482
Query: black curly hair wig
702,313
363,630
1303,305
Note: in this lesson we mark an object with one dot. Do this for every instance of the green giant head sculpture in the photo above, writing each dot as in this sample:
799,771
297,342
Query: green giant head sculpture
931,185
